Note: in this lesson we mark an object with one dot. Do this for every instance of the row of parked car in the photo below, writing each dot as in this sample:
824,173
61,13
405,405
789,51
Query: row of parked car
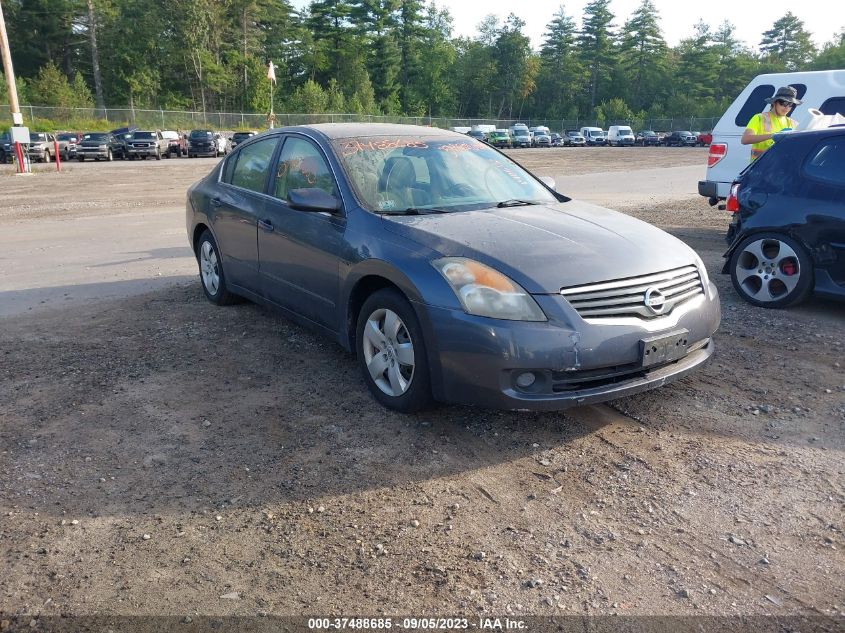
125,144
520,135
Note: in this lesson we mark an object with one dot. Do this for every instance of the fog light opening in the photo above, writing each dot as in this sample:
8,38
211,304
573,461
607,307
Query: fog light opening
525,380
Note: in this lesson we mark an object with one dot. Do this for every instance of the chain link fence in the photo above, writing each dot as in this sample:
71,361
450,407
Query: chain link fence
179,119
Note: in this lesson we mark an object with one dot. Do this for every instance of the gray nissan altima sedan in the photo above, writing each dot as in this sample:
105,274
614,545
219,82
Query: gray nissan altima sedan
453,274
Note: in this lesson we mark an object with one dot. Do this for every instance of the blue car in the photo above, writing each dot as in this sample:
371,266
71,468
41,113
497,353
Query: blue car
787,236
453,274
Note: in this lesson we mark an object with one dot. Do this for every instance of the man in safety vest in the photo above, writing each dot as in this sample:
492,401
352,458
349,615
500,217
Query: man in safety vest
762,127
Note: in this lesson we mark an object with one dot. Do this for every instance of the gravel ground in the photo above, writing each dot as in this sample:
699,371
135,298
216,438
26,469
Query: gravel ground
161,456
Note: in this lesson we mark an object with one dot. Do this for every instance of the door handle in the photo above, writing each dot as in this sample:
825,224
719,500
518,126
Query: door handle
266,225
215,202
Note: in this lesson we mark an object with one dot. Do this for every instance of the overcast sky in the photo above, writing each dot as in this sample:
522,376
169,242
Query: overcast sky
677,17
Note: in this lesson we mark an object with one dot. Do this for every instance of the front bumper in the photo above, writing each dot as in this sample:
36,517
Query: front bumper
203,150
476,360
142,151
91,152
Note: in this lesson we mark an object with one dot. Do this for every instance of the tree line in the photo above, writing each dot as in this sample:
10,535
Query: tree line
393,57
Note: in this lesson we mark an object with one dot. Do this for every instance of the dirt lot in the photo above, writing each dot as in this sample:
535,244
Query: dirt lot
161,456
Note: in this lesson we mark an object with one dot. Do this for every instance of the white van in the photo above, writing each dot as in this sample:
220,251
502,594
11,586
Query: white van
594,135
619,135
822,90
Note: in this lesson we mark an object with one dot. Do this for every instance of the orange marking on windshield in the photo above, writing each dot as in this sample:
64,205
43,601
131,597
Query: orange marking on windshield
385,145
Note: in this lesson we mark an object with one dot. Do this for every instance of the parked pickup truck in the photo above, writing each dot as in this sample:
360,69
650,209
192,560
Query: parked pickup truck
41,146
146,143
176,143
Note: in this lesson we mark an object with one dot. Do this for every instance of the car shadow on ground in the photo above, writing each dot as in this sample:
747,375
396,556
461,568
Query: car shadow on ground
163,402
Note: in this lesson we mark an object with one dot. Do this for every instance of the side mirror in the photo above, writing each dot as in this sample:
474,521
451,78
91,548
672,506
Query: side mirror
313,199
548,181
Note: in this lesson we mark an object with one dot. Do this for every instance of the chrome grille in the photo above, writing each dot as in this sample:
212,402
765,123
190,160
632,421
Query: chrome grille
628,297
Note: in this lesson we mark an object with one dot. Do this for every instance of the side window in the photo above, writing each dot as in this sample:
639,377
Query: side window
301,166
827,163
250,171
834,105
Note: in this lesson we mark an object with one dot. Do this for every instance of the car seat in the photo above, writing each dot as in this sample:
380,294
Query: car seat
399,183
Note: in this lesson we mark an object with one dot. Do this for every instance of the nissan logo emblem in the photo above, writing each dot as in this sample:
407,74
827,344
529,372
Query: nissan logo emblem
655,300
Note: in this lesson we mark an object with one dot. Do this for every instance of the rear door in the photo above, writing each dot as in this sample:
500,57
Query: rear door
300,251
235,207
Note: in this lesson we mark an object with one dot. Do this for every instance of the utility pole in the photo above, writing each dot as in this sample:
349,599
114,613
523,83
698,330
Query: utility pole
9,71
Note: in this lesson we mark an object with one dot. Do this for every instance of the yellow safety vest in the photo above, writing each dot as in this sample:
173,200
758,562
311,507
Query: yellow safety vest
767,123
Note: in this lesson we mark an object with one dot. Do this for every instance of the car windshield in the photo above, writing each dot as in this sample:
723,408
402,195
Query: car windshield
66,137
625,130
201,134
94,137
240,135
434,173
143,135
648,133
37,138
686,133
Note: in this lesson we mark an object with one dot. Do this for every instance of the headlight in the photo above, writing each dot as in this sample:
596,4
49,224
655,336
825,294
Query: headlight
103,147
486,292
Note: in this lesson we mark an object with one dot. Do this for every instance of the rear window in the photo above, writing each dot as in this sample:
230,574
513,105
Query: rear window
253,164
827,162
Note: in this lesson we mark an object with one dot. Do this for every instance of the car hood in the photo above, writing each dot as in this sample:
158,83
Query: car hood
547,247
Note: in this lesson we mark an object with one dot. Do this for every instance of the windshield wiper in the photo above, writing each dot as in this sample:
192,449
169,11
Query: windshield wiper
514,203
414,211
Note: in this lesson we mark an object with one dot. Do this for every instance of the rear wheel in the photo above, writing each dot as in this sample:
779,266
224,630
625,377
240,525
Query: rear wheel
391,352
211,271
771,270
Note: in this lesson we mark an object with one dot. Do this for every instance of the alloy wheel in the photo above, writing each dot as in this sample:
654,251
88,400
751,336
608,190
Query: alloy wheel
209,268
767,270
388,352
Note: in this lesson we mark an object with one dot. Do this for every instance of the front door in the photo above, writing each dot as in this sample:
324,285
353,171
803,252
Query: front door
300,251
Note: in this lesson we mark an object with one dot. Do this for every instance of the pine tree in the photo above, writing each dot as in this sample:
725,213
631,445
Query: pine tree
644,56
788,42
561,74
596,41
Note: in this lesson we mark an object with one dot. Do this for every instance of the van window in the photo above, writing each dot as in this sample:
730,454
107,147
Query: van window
756,102
834,105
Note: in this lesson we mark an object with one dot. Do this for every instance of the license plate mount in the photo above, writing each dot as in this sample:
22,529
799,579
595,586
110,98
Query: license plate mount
657,350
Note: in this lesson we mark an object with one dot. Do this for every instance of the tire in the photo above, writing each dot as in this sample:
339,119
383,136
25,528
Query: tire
391,352
212,277
158,154
81,159
771,270
110,156
46,156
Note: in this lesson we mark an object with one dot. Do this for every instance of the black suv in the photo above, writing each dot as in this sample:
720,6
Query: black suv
684,137
788,232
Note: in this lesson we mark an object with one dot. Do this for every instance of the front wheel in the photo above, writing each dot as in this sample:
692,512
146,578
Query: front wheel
391,352
211,271
771,270
158,154
110,156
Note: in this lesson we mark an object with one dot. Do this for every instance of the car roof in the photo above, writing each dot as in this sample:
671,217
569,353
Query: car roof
334,131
